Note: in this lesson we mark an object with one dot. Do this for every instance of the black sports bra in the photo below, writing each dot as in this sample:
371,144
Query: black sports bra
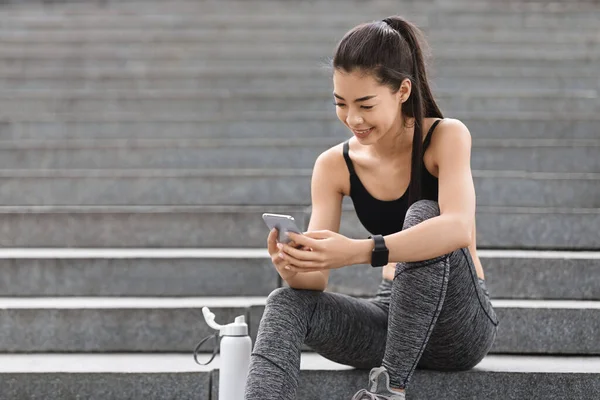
385,217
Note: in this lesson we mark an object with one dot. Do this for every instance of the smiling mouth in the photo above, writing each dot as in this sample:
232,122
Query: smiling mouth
362,132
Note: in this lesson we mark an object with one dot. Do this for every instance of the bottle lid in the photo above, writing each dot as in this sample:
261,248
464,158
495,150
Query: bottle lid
237,328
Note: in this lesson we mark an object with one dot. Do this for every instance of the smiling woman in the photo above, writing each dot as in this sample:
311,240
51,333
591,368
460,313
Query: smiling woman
415,194
387,88
359,132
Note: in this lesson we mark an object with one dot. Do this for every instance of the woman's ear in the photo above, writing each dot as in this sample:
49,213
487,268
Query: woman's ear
404,92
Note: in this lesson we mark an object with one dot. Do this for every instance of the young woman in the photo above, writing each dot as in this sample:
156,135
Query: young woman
415,194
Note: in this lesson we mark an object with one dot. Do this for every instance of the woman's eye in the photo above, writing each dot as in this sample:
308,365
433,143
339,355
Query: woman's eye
343,105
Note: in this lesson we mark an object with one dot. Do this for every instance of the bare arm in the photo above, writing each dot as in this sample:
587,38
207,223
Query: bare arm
454,227
326,196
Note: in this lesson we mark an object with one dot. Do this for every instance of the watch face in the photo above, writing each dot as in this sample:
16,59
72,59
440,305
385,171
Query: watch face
380,253
380,258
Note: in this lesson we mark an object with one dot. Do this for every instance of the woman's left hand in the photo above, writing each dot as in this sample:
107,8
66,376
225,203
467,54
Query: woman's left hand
328,250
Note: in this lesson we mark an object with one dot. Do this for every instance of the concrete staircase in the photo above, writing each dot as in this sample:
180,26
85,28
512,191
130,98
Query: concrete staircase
140,141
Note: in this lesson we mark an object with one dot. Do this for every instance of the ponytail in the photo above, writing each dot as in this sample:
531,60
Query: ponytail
391,51
420,104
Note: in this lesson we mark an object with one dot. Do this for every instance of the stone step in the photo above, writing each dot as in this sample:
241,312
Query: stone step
567,54
161,376
242,226
105,376
218,102
240,7
185,8
295,72
101,324
289,124
290,18
291,50
533,155
136,82
529,377
446,80
262,7
248,272
254,61
317,36
143,272
278,185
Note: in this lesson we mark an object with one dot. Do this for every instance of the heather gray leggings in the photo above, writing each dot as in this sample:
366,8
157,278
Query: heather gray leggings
435,314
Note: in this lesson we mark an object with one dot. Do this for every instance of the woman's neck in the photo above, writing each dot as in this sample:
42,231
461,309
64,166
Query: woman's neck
395,143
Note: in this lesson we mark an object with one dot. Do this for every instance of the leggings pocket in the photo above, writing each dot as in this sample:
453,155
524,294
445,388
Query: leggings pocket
483,294
486,303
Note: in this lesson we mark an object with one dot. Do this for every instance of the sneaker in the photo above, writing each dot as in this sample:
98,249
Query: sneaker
385,393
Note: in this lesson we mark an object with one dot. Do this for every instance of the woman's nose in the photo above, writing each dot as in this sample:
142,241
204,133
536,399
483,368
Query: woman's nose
355,120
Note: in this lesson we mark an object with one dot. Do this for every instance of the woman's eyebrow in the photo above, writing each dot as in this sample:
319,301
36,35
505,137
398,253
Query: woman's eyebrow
357,100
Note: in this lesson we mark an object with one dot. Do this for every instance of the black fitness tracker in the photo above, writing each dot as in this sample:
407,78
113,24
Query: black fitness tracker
380,255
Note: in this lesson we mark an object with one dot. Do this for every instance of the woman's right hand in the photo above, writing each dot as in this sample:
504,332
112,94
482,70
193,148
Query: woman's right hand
278,262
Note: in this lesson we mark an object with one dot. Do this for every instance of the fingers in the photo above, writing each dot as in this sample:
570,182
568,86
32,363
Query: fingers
274,251
279,259
296,253
302,264
286,261
304,240
272,241
278,262
287,265
295,268
322,234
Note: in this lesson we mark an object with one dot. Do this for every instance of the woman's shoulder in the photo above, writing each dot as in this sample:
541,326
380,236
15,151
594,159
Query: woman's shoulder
333,156
446,122
450,135
331,164
448,127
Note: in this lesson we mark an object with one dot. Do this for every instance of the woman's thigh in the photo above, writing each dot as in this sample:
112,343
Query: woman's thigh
466,328
348,330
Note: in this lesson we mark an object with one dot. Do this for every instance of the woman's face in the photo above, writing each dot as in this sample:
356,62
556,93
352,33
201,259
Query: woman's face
368,109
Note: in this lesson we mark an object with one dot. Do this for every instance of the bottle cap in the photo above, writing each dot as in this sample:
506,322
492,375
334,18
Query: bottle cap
237,328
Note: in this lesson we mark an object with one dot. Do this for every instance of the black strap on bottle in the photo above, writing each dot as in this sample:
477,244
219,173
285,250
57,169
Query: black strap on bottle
215,351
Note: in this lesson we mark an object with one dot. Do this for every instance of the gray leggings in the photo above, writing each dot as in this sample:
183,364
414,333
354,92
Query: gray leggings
435,314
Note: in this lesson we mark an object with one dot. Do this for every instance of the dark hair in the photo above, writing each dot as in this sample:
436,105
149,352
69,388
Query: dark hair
391,51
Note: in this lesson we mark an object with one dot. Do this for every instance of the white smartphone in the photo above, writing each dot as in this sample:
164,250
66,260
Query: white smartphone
283,223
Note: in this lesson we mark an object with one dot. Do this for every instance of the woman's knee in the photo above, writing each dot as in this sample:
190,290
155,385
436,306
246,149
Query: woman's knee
293,297
420,211
296,306
278,293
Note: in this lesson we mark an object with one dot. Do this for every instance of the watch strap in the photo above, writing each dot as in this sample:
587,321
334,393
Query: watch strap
380,254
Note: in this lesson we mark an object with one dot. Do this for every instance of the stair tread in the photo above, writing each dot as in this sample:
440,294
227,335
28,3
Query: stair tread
80,302
176,362
231,253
